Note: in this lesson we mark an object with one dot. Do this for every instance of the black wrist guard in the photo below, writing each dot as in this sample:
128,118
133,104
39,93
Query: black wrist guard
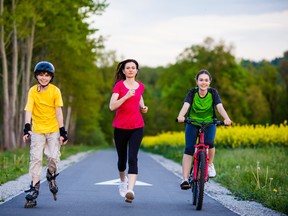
27,128
63,133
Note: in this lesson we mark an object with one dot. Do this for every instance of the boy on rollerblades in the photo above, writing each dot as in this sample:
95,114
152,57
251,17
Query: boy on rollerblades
44,111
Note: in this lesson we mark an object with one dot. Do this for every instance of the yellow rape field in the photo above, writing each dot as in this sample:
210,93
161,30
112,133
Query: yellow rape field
231,137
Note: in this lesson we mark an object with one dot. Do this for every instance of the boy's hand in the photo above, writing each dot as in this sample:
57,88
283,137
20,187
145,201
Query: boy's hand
63,136
27,132
26,138
62,142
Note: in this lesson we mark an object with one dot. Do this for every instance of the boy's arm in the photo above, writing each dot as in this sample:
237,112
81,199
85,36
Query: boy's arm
59,116
28,117
27,128
63,132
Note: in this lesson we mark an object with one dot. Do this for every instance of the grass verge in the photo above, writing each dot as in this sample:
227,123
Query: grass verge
15,163
258,174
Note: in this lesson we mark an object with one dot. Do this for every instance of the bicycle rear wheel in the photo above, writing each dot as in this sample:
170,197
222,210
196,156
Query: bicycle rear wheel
198,185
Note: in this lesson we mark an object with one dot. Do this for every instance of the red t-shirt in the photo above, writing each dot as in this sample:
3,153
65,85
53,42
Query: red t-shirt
128,115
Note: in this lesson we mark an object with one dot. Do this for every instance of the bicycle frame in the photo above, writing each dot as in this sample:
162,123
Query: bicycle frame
200,164
201,147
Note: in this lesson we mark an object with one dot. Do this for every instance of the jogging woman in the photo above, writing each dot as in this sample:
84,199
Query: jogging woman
128,123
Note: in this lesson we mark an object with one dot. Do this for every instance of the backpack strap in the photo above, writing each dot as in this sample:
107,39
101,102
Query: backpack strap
212,91
194,91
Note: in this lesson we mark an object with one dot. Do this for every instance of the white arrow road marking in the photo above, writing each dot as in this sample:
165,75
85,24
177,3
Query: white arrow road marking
117,182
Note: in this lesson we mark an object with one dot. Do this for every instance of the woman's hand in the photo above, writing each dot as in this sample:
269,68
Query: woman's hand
144,109
130,93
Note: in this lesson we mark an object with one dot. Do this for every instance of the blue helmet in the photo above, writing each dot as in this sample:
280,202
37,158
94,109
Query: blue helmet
44,66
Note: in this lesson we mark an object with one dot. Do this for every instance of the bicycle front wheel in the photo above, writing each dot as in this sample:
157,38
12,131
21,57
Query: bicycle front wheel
198,189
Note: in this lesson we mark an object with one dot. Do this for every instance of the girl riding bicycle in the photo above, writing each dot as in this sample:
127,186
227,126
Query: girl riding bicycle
200,104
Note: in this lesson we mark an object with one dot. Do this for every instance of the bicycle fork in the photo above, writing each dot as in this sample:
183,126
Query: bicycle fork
201,147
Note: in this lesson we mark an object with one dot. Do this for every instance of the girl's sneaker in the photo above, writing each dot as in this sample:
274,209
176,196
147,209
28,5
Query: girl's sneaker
185,185
129,197
211,171
123,187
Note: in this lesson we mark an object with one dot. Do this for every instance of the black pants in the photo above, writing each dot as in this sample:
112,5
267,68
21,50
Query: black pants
128,140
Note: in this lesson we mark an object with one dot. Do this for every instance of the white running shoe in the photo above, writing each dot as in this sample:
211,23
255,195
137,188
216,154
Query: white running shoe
123,186
211,171
129,197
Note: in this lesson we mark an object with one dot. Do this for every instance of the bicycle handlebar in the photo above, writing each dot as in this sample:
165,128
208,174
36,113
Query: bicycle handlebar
190,121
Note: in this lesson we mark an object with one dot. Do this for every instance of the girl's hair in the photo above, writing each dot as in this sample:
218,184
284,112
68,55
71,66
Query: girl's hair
119,71
203,72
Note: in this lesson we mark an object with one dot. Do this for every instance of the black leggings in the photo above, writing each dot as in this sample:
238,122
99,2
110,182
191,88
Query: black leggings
124,138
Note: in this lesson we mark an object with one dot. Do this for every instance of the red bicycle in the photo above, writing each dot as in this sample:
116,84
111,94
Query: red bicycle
199,171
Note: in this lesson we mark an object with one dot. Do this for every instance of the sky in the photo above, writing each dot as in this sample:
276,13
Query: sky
155,32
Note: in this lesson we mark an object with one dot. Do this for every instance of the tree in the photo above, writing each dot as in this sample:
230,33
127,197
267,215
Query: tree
31,31
5,80
266,91
228,78
282,68
268,80
67,41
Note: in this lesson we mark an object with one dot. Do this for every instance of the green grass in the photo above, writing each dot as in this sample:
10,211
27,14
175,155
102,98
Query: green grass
250,174
15,163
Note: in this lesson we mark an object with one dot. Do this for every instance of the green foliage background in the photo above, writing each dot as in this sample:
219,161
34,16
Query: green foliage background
252,92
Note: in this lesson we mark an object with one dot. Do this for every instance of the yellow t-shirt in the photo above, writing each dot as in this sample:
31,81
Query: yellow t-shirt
43,107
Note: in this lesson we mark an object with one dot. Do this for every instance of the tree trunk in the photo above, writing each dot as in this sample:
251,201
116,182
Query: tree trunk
30,41
26,59
23,94
68,114
14,82
5,84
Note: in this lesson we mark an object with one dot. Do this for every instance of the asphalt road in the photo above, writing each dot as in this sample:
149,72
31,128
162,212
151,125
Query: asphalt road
89,187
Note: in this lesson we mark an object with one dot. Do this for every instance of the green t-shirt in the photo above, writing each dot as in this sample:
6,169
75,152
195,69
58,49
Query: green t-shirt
202,108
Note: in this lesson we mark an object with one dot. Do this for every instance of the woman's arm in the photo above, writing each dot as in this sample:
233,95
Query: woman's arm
144,108
115,103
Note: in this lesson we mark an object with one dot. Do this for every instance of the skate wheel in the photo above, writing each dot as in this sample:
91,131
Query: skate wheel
55,197
30,204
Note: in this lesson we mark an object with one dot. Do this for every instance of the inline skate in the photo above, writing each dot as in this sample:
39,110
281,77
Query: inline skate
32,195
51,178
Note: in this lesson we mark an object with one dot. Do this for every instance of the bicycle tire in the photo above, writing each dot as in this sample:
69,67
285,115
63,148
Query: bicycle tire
199,187
195,185
192,184
194,192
